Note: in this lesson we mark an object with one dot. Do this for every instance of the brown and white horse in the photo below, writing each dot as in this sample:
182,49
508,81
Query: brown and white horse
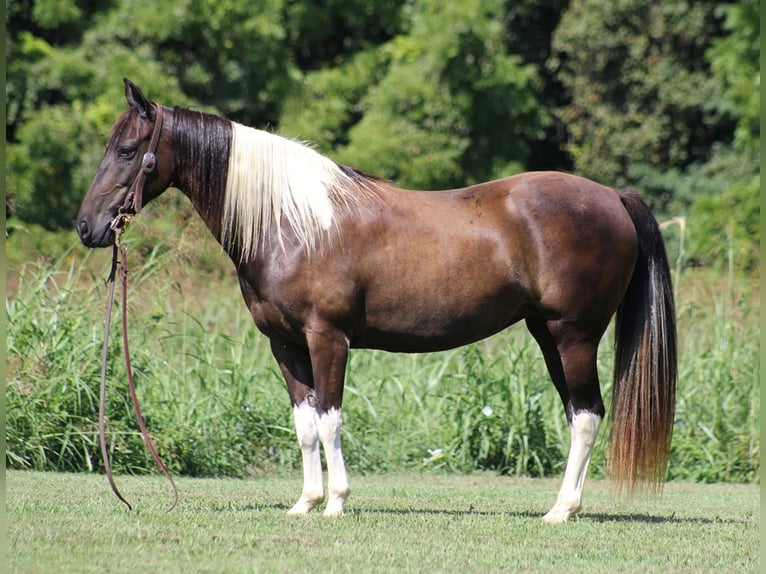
331,259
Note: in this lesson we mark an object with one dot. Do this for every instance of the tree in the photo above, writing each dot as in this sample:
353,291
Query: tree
529,26
442,104
66,60
735,61
64,89
662,96
643,106
726,223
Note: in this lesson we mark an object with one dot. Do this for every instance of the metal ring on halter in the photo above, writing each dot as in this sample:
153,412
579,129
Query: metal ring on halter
120,221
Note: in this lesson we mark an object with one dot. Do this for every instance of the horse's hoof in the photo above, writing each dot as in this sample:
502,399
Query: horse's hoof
303,506
558,515
555,517
335,509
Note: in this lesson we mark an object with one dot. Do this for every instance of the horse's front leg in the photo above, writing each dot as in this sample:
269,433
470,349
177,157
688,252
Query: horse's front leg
295,364
329,354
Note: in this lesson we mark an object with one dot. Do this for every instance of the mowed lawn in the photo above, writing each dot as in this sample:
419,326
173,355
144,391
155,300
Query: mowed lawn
413,522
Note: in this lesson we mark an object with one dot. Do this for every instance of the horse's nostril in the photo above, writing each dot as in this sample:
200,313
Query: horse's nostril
83,229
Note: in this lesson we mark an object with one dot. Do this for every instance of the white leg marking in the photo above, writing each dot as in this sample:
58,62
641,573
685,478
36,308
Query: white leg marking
337,481
583,429
307,429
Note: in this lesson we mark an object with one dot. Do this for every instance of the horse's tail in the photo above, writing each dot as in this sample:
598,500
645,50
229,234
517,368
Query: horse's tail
645,370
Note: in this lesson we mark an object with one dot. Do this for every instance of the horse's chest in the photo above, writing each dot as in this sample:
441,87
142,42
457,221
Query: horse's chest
272,322
269,316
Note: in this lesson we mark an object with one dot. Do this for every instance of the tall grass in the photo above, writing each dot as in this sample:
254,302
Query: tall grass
216,405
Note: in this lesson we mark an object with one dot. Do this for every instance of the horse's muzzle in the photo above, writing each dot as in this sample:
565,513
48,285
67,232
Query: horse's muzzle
95,236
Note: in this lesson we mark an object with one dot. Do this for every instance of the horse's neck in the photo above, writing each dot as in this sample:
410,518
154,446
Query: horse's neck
202,145
201,201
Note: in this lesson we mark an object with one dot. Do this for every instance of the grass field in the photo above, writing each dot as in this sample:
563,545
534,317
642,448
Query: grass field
400,522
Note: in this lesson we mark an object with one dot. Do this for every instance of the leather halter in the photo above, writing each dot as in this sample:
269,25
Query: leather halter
148,165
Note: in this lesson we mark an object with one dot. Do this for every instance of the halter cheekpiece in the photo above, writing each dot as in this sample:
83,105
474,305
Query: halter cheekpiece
148,165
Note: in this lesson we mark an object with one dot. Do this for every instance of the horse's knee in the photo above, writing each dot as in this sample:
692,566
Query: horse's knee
306,425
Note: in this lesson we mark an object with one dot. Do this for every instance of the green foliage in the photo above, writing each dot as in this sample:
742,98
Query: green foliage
726,215
642,97
51,14
499,418
727,227
663,97
656,92
734,60
48,399
50,163
718,415
660,96
329,32
442,105
64,92
329,101
232,55
54,349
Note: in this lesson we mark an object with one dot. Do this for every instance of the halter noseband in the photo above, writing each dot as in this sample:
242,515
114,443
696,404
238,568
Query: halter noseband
148,165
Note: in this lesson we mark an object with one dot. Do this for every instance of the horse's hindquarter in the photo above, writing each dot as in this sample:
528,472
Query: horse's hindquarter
441,269
585,245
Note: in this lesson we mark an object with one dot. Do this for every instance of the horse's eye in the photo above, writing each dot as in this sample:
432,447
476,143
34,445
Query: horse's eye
126,152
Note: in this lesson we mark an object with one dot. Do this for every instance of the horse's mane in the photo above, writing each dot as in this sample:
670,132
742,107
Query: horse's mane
271,178
245,182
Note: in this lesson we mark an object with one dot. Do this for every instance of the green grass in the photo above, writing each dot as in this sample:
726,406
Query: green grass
404,522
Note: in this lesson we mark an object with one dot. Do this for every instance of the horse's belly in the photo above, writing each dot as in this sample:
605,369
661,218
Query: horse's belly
438,320
409,342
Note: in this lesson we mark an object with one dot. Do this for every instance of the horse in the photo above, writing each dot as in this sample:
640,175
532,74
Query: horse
330,258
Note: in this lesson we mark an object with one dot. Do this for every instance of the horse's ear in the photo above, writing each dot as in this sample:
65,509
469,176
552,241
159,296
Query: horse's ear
137,100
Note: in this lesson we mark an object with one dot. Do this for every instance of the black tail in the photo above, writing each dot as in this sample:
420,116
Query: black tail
645,371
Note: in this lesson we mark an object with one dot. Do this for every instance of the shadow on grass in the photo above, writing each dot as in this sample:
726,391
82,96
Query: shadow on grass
600,517
650,519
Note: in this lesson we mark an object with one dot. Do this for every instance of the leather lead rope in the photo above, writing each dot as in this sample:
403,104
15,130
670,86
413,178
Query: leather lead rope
122,248
102,398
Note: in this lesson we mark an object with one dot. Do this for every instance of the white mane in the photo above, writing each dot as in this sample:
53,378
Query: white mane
270,177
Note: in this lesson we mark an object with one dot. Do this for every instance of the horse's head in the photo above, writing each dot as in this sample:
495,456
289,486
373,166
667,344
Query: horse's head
138,166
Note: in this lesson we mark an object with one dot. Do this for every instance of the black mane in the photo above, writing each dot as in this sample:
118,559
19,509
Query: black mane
202,144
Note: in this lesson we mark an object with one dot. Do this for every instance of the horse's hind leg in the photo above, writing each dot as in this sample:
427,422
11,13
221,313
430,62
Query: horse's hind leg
583,429
571,360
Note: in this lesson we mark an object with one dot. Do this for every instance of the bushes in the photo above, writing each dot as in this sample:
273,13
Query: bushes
200,411
727,227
